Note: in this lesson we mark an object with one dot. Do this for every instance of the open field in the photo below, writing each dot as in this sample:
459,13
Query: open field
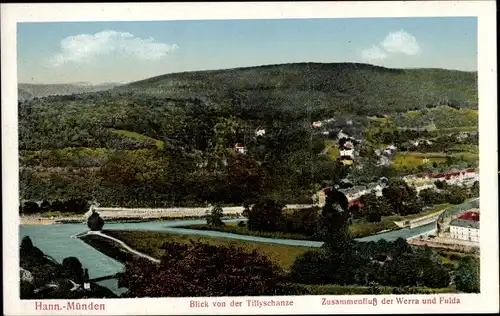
332,149
413,160
150,243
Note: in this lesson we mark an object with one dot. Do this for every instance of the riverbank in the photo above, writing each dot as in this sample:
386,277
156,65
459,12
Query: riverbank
42,220
358,229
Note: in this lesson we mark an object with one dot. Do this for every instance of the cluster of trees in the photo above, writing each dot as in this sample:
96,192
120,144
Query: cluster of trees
271,216
401,199
397,198
199,269
77,206
446,193
343,261
44,278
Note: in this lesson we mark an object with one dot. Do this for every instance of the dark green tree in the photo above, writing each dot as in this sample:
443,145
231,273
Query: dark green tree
30,207
475,189
214,217
95,222
467,275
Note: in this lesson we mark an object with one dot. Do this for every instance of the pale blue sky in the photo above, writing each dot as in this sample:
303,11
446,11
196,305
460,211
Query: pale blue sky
100,52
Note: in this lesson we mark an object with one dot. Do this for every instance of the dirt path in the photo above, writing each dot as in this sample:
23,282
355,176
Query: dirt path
124,245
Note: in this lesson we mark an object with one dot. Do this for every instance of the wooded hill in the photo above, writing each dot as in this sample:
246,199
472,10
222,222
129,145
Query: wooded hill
173,134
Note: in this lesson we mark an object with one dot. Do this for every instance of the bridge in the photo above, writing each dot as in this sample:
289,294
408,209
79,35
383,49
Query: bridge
103,278
424,220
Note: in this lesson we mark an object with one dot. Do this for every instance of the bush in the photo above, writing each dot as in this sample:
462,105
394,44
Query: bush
265,216
30,207
312,267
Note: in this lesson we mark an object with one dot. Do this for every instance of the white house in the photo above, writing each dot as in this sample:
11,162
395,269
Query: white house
260,132
341,135
465,229
347,152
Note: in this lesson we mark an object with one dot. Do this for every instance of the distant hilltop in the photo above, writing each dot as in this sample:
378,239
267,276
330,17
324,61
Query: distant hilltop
350,87
27,91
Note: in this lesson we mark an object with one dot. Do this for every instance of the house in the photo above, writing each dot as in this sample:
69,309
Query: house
341,135
347,153
346,160
383,181
466,226
355,192
384,161
348,145
240,148
260,132
462,135
316,124
375,187
345,183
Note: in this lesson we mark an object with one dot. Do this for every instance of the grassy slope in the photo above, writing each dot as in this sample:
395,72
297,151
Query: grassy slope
444,118
159,144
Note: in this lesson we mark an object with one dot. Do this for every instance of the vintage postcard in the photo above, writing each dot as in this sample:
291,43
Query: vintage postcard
249,158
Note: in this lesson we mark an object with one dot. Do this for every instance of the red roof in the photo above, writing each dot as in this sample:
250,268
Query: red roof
473,216
240,145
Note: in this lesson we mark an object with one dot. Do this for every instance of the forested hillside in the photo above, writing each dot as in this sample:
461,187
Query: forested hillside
170,140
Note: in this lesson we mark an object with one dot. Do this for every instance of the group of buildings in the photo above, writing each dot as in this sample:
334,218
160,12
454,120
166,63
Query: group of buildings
241,147
346,148
427,180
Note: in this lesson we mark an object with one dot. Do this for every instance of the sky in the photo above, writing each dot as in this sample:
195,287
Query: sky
119,52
